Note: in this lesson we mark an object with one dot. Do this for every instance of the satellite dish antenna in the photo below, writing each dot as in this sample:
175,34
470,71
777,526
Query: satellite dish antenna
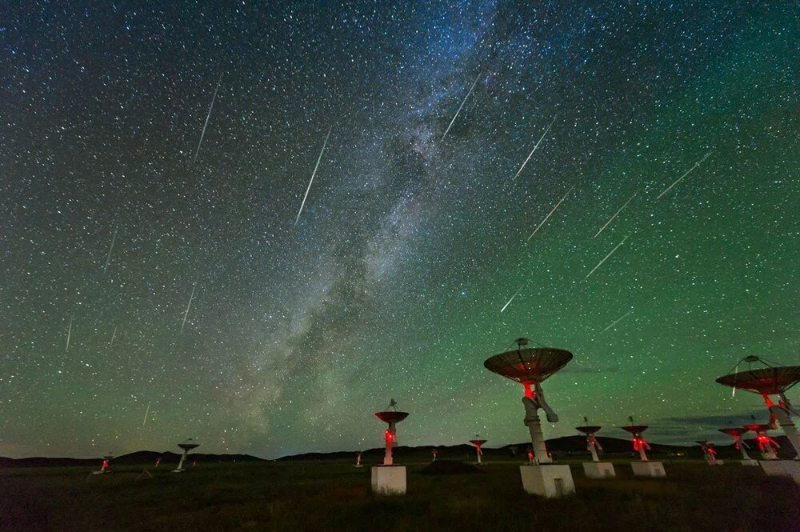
478,443
391,416
592,445
104,468
709,453
766,445
358,459
639,443
388,478
530,367
768,380
595,468
739,444
643,468
187,445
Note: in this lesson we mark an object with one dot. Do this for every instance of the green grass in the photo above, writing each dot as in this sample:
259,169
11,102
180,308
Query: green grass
336,496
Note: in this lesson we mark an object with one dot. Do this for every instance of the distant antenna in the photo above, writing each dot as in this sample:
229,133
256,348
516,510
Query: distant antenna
739,444
186,445
391,416
478,443
595,468
643,468
389,479
104,468
709,453
766,445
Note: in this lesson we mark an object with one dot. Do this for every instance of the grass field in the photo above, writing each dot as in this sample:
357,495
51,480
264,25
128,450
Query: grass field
336,496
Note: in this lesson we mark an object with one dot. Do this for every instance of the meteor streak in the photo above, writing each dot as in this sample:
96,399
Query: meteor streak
113,335
617,321
615,214
689,171
110,249
69,334
512,297
551,213
534,148
186,314
606,258
210,107
462,105
145,414
314,173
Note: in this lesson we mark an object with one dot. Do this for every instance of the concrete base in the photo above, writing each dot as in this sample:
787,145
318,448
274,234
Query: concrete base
648,469
389,480
599,470
717,462
749,462
547,480
782,468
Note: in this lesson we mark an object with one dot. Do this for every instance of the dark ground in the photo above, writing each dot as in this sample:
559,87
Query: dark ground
334,495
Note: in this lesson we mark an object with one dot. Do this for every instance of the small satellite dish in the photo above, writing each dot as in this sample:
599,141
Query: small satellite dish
766,445
709,452
187,445
739,443
639,443
104,468
392,417
478,443
592,445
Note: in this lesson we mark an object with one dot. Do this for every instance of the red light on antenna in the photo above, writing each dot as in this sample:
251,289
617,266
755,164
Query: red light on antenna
529,393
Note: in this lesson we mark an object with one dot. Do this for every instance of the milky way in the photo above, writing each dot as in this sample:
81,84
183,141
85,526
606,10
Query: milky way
413,235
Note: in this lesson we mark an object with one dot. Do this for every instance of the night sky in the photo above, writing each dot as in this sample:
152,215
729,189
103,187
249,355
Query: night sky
395,280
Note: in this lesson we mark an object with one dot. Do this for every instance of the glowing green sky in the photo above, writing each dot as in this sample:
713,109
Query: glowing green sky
413,236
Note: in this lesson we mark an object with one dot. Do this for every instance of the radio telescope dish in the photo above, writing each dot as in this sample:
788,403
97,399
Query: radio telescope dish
392,416
766,445
771,379
187,445
639,443
592,445
739,444
709,452
104,467
530,367
758,427
734,431
635,429
478,443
